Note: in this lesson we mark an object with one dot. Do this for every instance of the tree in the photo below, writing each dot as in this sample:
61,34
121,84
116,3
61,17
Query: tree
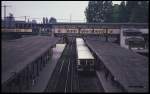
44,21
11,17
115,14
34,21
129,11
107,11
9,21
52,20
94,12
123,15
99,11
145,6
137,11
91,11
140,12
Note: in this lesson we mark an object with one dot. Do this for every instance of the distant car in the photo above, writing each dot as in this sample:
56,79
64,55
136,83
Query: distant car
85,59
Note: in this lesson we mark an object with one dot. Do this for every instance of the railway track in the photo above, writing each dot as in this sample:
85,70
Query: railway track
56,74
65,82
89,83
66,78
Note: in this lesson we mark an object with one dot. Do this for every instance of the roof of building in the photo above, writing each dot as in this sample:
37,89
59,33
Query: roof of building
128,68
17,54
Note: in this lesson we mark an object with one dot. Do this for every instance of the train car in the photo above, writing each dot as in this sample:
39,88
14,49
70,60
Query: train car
79,41
85,59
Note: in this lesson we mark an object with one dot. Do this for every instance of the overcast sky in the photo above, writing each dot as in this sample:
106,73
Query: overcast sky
63,11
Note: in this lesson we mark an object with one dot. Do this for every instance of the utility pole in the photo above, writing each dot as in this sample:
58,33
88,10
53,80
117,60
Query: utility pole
84,20
26,17
5,6
70,18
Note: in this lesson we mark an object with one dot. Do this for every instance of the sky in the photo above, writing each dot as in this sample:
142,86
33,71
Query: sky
63,11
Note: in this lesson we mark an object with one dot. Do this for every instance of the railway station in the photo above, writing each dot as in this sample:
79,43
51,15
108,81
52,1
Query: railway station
53,64
101,55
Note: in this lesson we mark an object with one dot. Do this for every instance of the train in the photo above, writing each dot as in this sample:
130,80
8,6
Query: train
84,59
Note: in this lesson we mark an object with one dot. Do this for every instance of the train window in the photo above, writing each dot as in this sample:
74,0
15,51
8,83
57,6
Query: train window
82,62
78,61
91,62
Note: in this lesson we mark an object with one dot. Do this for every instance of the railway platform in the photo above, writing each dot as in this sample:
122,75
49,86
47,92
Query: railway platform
22,61
48,70
122,68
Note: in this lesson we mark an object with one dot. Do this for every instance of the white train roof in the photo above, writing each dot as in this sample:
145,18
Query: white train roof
79,40
82,48
85,55
83,51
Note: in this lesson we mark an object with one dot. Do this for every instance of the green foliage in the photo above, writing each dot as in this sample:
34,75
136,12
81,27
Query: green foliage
99,11
129,11
122,14
108,10
115,13
139,12
94,11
